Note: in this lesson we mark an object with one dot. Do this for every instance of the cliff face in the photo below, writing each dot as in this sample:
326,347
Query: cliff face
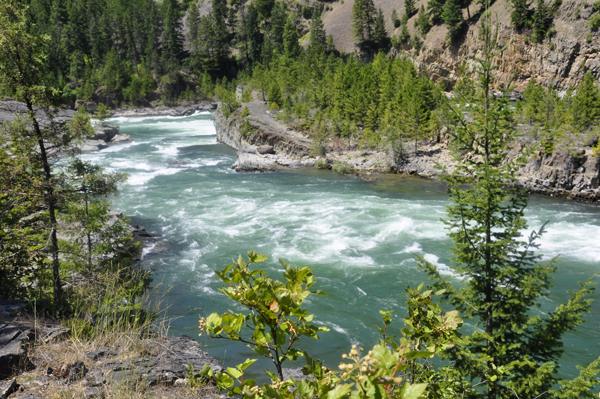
561,60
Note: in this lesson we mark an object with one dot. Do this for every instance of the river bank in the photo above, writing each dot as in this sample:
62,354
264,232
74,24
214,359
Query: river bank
265,144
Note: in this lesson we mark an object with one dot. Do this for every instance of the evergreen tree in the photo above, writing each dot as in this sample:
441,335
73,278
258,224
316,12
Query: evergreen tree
519,17
586,102
404,36
512,352
422,22
317,38
380,38
23,69
291,46
395,20
534,102
253,34
264,8
363,21
453,18
541,20
275,97
193,23
172,42
435,8
409,7
152,29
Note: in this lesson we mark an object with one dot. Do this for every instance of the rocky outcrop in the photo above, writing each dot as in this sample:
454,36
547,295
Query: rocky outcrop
560,60
265,145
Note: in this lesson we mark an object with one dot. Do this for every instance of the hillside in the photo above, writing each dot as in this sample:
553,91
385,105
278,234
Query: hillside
561,60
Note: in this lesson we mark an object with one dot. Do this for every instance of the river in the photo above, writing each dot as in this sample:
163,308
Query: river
358,236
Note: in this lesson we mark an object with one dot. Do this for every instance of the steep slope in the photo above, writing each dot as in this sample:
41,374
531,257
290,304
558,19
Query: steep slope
561,60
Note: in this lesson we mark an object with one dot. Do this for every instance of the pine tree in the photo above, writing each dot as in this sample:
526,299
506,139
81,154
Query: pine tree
541,20
453,18
23,68
317,38
193,23
395,20
409,7
363,21
172,43
519,17
253,33
220,14
422,21
586,102
534,102
435,8
512,352
291,47
380,38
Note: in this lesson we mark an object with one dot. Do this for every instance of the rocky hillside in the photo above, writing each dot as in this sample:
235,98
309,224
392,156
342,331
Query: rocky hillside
560,60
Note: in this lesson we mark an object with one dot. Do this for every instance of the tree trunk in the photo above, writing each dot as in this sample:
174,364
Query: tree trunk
51,204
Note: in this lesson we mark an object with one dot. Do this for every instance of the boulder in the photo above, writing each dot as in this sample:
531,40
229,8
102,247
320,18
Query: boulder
265,149
13,356
170,364
253,163
8,387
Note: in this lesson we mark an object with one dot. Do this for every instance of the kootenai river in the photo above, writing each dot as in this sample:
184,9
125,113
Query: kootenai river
358,236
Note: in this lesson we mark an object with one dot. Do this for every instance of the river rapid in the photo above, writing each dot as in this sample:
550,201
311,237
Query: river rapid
360,237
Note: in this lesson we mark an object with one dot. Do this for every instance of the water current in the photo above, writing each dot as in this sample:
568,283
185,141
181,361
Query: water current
359,236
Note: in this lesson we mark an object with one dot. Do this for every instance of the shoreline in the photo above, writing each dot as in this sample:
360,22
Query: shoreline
264,144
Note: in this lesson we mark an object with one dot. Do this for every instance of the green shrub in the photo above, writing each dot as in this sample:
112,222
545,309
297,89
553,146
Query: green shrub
245,112
588,38
594,22
247,97
596,6
341,167
322,164
229,103
306,12
316,150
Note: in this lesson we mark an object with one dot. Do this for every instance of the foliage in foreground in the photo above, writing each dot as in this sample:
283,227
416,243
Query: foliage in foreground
275,320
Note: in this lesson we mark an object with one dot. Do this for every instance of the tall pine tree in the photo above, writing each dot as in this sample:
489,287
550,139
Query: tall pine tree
512,351
453,19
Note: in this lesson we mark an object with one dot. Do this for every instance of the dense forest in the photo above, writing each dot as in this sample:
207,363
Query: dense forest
137,52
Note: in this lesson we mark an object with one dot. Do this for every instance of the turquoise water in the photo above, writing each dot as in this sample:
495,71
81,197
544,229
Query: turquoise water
358,236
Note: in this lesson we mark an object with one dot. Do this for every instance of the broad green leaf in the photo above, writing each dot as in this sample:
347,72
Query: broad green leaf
339,391
412,391
235,373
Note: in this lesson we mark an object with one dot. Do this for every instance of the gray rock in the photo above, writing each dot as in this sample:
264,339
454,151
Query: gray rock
77,371
295,373
8,387
93,393
13,358
99,354
253,163
167,366
265,149
56,333
94,379
181,382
